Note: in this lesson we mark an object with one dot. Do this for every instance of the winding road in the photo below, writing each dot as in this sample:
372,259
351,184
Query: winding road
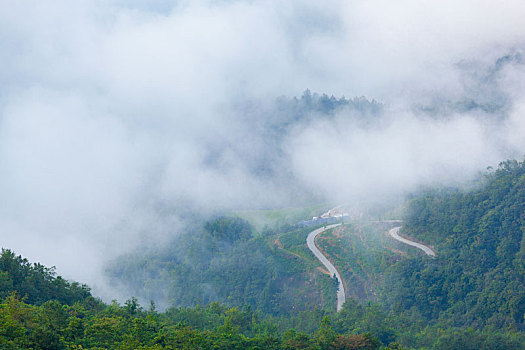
310,241
394,232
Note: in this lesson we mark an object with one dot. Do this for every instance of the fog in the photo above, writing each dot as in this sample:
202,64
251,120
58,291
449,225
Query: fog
117,117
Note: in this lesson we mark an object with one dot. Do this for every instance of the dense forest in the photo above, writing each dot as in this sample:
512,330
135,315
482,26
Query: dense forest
87,323
251,174
225,260
228,285
67,316
478,277
471,293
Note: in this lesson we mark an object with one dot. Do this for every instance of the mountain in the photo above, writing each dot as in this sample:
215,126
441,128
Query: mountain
474,284
226,260
226,284
478,276
44,312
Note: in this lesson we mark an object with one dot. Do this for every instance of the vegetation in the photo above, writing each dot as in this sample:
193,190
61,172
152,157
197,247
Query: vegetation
472,293
222,261
360,251
267,291
478,276
80,326
473,289
87,323
272,220
35,282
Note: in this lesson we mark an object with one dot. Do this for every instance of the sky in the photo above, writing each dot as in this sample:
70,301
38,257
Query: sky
115,114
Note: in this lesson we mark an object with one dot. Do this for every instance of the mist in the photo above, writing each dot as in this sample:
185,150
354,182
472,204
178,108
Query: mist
116,118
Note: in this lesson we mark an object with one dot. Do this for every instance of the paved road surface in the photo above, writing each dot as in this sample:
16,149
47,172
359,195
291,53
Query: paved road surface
310,241
394,233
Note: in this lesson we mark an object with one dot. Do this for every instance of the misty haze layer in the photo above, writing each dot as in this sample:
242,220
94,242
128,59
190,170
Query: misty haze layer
115,118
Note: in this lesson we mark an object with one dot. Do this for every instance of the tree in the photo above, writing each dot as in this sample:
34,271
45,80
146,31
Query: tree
326,335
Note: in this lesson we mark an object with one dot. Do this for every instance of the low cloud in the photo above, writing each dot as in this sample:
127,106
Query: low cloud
117,118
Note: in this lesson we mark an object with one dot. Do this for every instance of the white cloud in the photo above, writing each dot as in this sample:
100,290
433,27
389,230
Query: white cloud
109,108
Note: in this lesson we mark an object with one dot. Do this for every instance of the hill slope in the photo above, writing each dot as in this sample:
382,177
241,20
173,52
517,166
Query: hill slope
478,276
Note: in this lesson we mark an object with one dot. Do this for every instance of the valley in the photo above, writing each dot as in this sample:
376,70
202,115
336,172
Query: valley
228,282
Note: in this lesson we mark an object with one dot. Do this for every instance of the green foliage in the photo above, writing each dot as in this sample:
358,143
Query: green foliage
56,326
266,221
272,296
469,339
229,229
93,325
220,262
326,335
478,276
36,282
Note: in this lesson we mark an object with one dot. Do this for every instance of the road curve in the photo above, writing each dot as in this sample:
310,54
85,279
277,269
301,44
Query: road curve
310,241
394,233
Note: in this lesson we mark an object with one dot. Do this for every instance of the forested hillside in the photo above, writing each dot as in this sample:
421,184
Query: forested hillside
62,318
476,280
274,295
254,174
225,260
478,276
37,283
90,324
